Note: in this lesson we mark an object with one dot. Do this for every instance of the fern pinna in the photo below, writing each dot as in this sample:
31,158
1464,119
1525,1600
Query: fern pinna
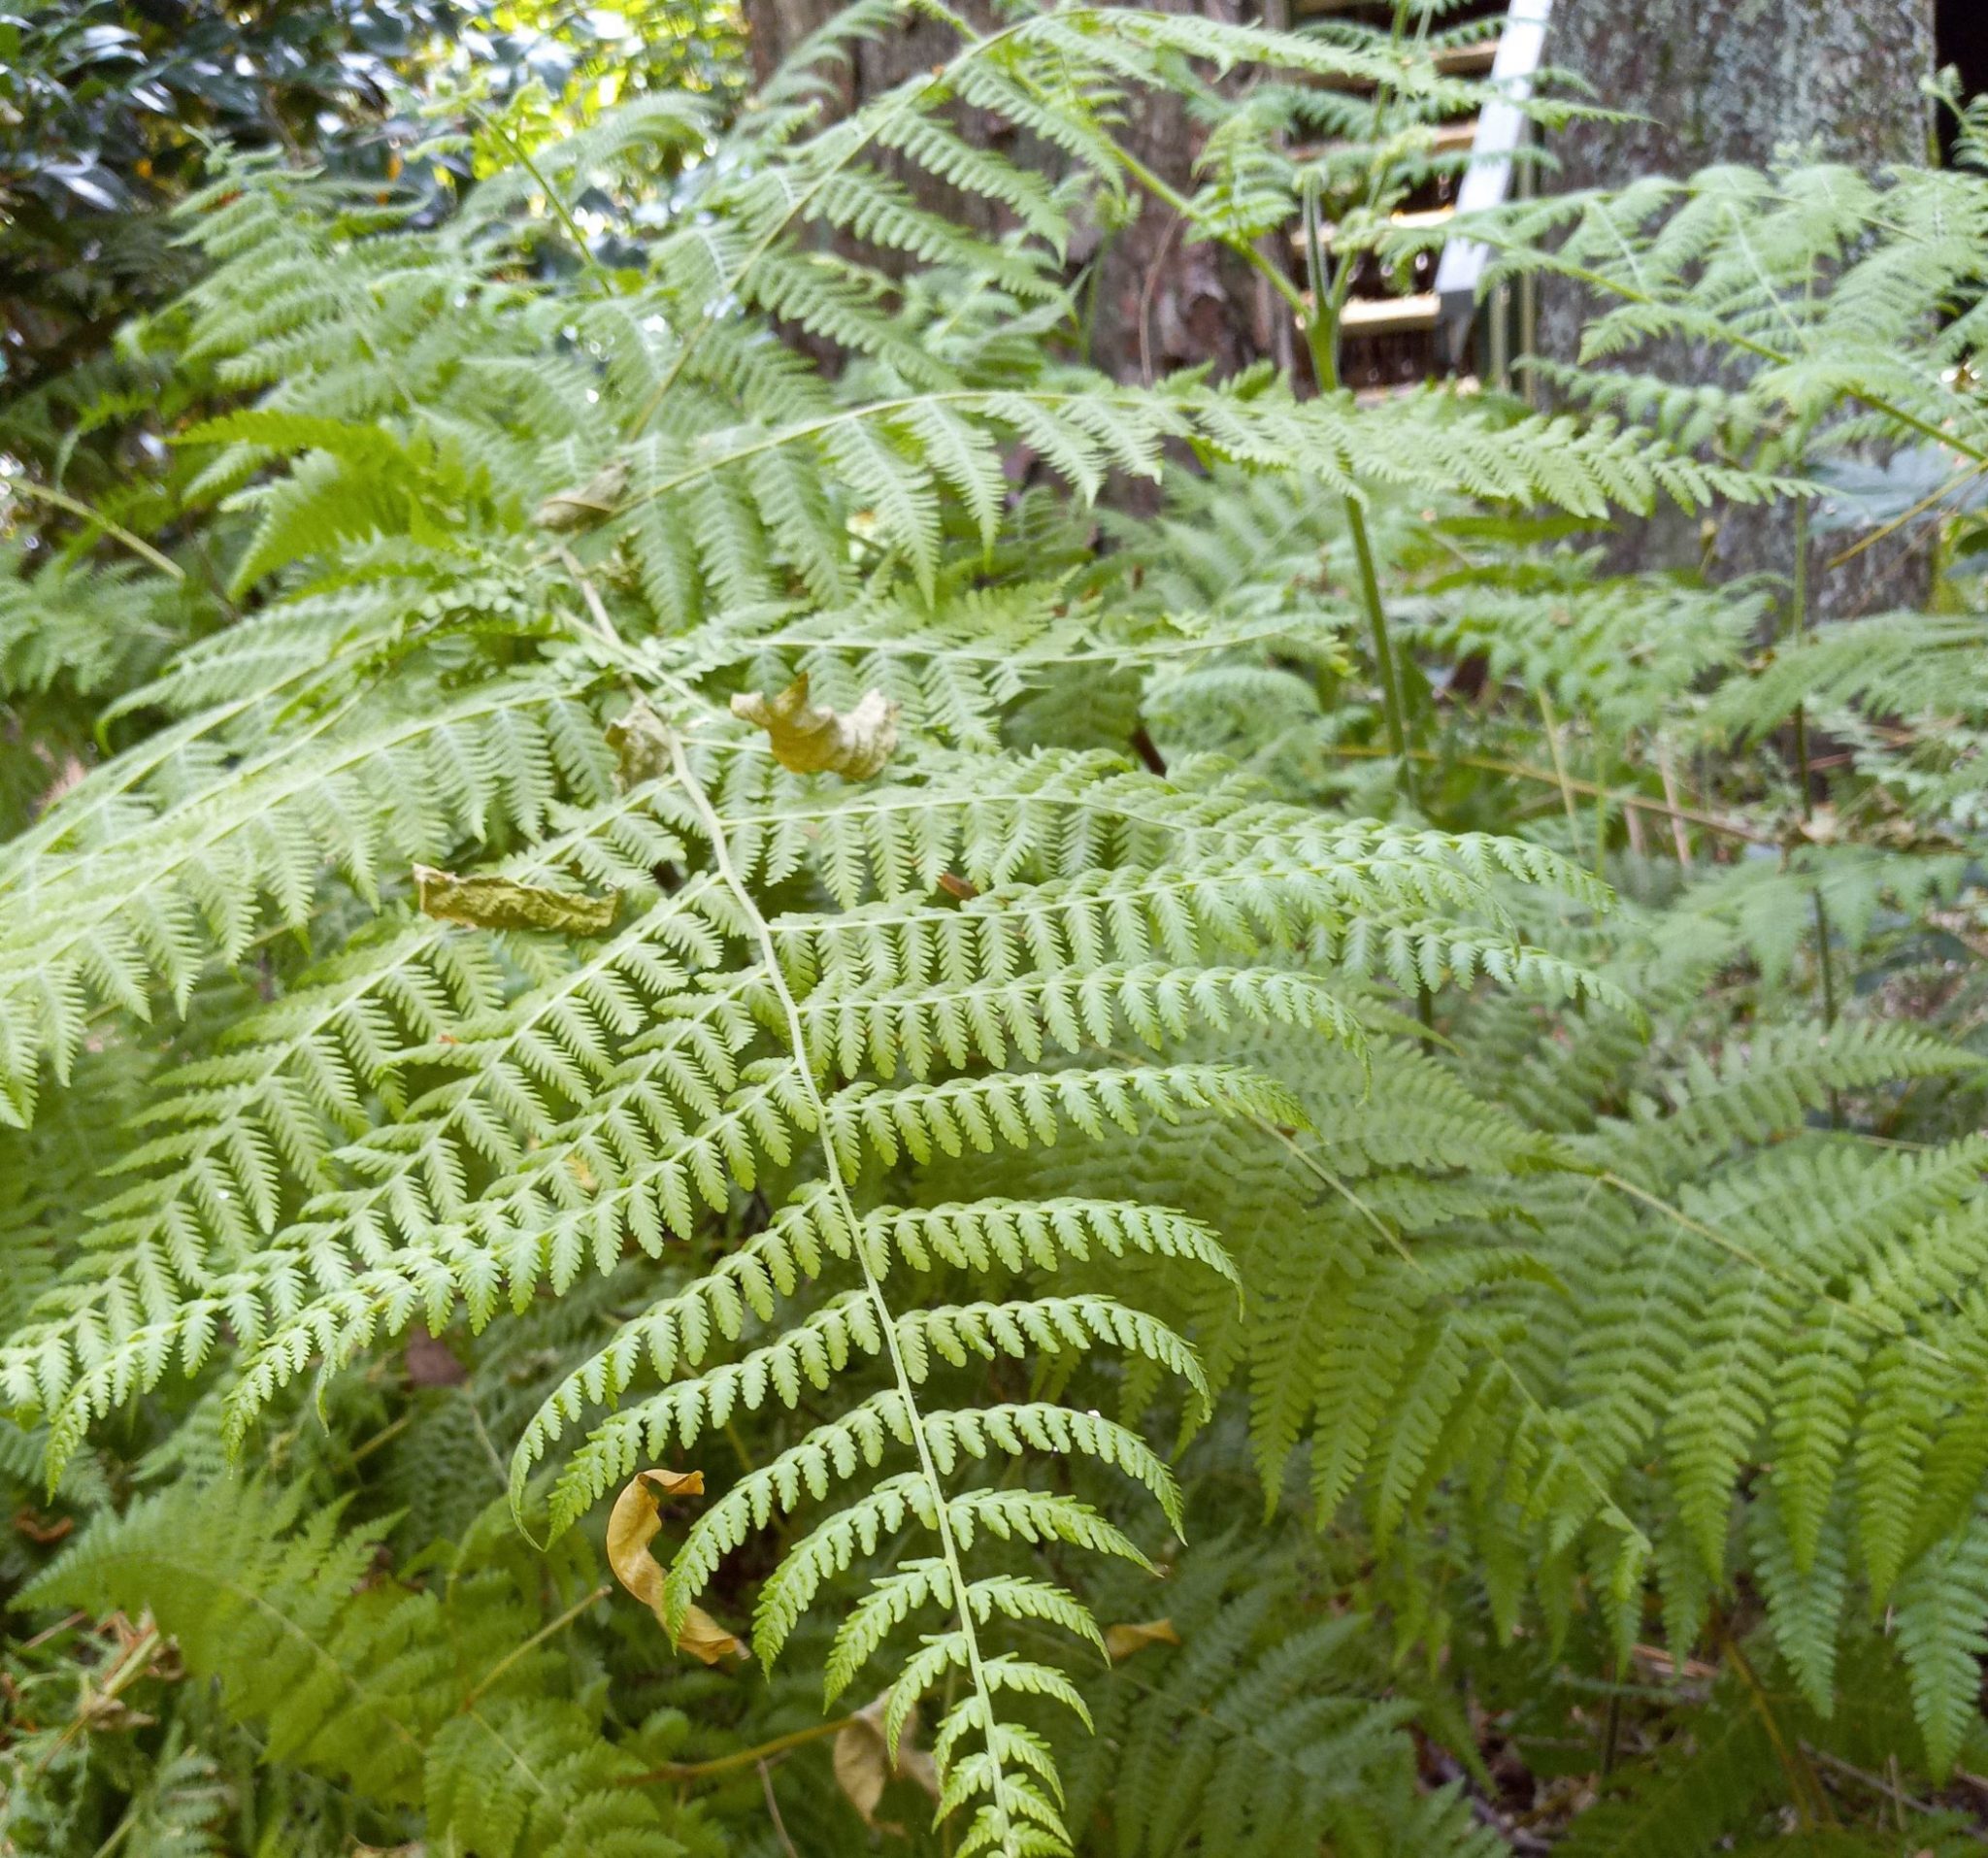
684,903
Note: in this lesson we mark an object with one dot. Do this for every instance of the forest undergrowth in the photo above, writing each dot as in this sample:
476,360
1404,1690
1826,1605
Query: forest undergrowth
777,1079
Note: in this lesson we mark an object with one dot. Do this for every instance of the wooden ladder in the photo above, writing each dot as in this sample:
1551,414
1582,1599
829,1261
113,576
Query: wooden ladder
1388,336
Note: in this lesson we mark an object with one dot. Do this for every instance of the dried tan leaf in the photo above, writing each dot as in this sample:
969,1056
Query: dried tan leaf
1121,1642
501,903
863,1766
632,1525
589,503
707,1641
811,740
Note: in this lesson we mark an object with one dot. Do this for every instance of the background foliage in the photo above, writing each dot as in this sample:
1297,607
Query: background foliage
687,1017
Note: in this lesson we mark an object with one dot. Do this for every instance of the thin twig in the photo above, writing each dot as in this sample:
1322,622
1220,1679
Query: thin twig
47,1632
1147,290
1547,718
1668,775
773,1807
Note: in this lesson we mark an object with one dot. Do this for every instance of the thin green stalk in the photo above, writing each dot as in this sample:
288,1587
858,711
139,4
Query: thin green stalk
537,1639
681,1771
1828,975
76,507
1392,705
125,1829
1798,624
1322,337
551,193
1813,1807
1320,320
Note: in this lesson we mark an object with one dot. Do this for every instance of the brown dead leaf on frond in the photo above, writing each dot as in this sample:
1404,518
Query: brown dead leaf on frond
502,902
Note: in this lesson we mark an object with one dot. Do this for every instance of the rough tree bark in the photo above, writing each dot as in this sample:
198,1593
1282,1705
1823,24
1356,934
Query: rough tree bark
1153,302
1741,80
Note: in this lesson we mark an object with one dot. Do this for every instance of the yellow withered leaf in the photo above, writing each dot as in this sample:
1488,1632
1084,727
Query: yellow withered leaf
501,903
811,740
632,1525
1121,1642
863,1766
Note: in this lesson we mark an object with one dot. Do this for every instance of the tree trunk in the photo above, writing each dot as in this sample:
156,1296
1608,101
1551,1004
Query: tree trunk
1742,81
1152,302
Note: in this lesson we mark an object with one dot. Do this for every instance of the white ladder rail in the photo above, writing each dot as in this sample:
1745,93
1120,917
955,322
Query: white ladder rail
1487,179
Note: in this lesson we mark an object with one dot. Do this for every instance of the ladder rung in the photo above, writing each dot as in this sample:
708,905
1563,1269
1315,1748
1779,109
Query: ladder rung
1468,61
1399,222
1390,315
1450,138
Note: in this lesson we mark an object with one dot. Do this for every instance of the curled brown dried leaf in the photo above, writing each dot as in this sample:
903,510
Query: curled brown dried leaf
632,1525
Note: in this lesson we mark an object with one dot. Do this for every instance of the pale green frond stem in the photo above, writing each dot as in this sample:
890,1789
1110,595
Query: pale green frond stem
797,1035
